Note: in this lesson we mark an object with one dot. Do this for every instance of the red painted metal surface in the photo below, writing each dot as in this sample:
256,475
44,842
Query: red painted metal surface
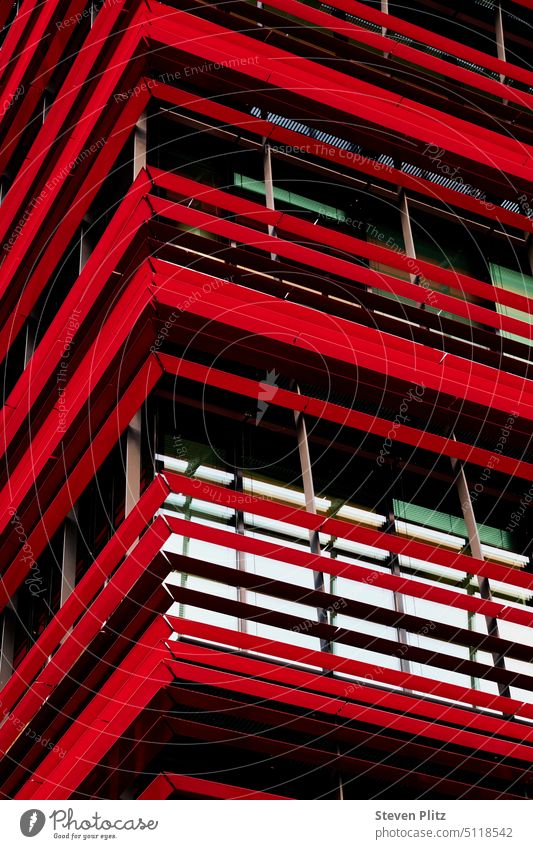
327,410
263,128
345,530
377,41
352,98
361,690
339,342
168,783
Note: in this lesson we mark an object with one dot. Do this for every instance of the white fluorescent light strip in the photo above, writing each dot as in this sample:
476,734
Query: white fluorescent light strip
261,488
504,556
350,547
355,514
172,463
208,473
408,529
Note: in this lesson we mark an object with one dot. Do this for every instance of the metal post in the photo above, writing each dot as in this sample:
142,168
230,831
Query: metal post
70,526
407,231
241,556
68,564
29,339
133,432
500,40
475,549
139,145
86,243
301,429
385,10
269,187
310,506
133,462
394,565
7,635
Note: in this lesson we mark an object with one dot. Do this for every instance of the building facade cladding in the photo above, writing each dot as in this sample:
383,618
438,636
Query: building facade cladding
266,467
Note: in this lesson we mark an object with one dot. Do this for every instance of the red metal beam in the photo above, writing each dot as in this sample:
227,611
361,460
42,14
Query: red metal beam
323,339
121,582
318,409
367,673
241,676
229,116
324,236
413,55
165,785
84,592
350,96
54,513
366,536
126,693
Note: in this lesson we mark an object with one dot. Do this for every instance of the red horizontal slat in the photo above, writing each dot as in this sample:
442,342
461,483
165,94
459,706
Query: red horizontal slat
316,408
363,691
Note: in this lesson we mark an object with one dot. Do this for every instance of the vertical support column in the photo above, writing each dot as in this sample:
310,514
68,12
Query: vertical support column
68,564
269,187
269,183
7,644
475,549
70,526
299,420
500,39
407,231
47,102
310,506
314,539
240,555
133,462
133,431
394,565
139,144
29,339
385,10
86,244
